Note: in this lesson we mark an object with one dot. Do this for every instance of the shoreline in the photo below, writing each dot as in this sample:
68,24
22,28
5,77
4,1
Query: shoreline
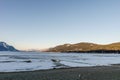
50,69
76,73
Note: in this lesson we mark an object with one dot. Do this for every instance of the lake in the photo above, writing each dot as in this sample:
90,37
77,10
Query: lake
30,61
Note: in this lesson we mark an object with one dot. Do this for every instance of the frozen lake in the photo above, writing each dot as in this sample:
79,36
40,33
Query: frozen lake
29,61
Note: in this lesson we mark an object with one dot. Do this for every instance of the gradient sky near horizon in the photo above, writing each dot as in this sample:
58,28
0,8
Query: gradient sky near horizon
39,24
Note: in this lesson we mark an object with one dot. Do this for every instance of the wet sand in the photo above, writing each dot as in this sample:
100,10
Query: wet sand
83,73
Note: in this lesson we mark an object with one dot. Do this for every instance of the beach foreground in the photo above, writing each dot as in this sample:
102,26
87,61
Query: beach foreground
83,73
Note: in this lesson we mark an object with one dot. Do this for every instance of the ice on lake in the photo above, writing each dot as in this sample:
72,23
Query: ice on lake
29,61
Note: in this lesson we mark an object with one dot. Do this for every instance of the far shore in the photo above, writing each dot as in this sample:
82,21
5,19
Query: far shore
78,73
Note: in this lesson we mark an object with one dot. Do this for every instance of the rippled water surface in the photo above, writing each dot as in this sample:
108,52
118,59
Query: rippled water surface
29,61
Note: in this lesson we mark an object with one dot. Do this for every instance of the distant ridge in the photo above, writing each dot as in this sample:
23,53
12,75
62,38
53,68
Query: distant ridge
5,47
85,47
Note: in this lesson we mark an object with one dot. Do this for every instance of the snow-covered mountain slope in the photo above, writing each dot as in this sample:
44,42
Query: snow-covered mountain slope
5,47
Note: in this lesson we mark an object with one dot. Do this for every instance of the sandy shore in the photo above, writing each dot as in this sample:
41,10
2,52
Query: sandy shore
84,73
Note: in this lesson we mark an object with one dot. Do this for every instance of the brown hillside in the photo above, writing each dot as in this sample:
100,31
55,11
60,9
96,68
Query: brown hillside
84,47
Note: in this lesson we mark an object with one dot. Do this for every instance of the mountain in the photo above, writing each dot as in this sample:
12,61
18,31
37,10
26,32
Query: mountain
86,47
5,47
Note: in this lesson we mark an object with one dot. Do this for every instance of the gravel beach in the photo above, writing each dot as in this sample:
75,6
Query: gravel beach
82,73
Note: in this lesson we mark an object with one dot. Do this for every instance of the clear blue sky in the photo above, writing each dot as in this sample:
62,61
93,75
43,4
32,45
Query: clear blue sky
37,24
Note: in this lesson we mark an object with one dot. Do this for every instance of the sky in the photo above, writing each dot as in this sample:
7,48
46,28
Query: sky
39,24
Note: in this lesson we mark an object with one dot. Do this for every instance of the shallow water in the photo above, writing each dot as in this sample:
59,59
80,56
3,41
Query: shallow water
29,61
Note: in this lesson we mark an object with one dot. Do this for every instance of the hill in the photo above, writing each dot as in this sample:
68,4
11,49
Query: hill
5,47
85,47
